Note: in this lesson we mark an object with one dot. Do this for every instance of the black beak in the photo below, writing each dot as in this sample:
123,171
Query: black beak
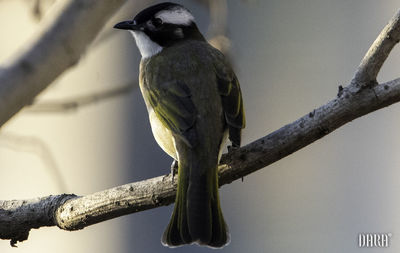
128,25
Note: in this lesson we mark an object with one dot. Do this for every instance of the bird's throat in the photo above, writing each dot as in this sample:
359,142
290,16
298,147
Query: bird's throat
146,46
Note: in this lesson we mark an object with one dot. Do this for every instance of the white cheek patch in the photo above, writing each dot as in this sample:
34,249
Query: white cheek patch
146,46
177,16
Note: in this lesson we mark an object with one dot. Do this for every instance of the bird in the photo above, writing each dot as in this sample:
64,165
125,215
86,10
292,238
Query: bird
195,104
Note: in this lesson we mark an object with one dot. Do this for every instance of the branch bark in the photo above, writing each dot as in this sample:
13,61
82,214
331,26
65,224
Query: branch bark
58,46
71,212
376,55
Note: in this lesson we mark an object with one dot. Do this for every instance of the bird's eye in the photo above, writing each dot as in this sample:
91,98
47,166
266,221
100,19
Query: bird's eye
157,22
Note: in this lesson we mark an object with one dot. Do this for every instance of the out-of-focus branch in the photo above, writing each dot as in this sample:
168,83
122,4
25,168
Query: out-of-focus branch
69,212
130,8
37,147
58,46
218,26
37,9
73,104
218,29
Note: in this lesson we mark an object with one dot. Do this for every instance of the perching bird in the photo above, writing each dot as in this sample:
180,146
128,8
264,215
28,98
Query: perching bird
194,103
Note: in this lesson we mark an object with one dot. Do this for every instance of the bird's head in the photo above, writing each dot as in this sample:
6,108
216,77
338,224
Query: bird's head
161,25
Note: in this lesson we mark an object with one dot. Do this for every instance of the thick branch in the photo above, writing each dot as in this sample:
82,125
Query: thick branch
72,213
56,48
18,217
81,212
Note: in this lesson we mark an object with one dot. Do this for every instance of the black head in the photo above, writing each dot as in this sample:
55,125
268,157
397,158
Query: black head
164,24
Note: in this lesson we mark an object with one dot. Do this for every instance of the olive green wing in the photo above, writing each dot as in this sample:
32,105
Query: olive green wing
172,103
232,102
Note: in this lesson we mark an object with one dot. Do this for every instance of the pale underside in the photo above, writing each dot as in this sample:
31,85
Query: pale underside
165,140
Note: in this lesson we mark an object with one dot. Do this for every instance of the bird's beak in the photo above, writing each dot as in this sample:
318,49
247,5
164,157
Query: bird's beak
128,25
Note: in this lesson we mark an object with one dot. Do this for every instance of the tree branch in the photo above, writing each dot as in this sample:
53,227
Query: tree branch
376,55
58,46
19,216
36,146
73,104
72,213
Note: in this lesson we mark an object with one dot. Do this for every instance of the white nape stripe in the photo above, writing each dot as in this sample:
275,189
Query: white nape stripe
146,46
177,16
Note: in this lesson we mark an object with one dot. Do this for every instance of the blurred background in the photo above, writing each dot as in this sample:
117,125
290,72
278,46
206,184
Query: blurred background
290,57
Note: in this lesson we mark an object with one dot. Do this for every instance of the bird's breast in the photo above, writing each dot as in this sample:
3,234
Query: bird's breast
162,135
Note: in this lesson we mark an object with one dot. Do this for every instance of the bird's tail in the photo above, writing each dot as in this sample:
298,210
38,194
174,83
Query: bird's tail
197,216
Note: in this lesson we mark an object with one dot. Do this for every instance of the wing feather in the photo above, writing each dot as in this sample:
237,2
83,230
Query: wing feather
232,102
172,103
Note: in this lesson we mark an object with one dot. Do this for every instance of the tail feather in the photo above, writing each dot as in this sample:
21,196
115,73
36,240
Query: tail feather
220,233
199,209
197,216
177,231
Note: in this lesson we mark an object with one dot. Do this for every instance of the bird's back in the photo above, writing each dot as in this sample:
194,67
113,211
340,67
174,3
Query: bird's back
190,66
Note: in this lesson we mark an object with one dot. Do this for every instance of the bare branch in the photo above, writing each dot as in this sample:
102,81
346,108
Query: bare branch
72,213
73,104
349,105
81,212
378,52
19,216
218,26
37,147
56,48
37,9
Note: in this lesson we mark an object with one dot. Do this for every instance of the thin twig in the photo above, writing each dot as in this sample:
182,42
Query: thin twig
72,104
37,147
